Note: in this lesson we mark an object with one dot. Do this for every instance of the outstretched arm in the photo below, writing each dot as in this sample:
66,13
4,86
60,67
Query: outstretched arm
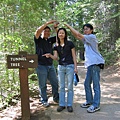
49,55
41,28
75,32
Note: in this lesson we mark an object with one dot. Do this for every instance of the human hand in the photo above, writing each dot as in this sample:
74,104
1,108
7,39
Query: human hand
75,70
65,24
51,21
47,55
56,24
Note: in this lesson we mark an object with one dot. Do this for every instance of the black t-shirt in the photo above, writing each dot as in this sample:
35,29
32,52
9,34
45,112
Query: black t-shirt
65,53
44,46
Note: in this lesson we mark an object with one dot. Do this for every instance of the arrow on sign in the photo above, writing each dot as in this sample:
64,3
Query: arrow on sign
31,61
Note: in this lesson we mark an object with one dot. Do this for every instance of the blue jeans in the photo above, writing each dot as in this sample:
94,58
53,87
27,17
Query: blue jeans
45,73
93,75
68,72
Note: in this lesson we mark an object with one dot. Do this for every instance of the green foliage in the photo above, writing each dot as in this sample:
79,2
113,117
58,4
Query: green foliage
118,48
112,56
55,63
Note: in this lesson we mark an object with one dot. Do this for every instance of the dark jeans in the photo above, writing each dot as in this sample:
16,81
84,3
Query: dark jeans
45,73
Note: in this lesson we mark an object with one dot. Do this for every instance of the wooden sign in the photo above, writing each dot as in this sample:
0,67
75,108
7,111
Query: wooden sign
23,61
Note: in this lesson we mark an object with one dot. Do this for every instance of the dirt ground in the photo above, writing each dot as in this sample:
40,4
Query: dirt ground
110,87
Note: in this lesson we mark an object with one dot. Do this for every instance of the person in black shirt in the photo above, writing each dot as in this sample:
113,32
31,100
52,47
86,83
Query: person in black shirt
65,50
45,69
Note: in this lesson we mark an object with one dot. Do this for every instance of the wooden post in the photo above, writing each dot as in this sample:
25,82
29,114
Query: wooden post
24,89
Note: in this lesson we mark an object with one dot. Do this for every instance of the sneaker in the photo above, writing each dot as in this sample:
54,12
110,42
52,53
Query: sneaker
85,105
60,108
93,109
46,104
70,108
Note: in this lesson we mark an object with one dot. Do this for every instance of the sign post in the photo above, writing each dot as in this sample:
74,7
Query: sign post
23,61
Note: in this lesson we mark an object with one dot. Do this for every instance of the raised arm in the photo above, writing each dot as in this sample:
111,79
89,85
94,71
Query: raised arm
41,28
75,32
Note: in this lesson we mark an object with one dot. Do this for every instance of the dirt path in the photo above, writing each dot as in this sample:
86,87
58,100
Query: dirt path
110,101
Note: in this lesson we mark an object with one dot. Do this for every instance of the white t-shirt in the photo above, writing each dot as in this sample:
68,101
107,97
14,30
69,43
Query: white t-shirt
92,55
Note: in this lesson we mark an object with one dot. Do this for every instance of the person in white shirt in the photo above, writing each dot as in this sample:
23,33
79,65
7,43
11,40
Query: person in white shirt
93,62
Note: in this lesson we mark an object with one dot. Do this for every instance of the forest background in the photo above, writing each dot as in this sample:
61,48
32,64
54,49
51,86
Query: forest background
20,18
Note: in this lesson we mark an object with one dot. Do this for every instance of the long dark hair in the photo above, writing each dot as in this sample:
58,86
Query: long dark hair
89,26
65,39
